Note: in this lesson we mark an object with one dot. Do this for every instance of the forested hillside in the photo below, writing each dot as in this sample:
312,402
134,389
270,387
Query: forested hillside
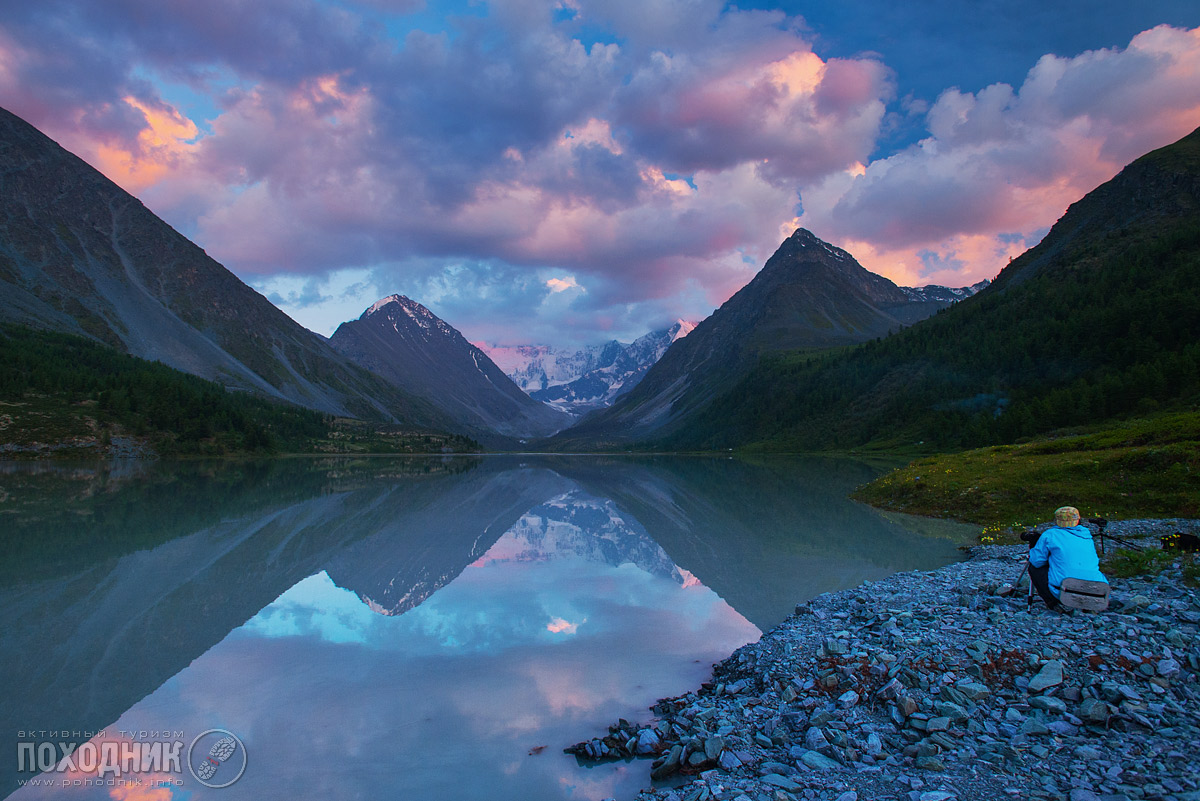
1100,320
64,394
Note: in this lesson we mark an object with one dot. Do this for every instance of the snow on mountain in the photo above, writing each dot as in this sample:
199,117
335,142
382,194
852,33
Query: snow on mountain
941,294
590,378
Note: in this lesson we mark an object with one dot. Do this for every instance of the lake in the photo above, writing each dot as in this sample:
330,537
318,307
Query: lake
432,628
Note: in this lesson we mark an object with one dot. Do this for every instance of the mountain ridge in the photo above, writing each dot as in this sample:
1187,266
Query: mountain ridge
80,255
1098,321
809,294
406,344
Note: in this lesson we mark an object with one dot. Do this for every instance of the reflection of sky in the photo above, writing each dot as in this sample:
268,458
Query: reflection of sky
446,701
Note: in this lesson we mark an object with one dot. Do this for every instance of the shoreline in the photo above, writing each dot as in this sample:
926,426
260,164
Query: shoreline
941,685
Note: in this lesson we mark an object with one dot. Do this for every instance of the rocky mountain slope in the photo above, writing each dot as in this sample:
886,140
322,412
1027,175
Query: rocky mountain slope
810,295
405,343
80,255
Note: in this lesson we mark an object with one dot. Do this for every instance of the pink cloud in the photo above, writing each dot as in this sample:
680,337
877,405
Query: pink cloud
799,114
1001,165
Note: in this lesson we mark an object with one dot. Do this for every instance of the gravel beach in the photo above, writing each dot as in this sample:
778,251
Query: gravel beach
941,685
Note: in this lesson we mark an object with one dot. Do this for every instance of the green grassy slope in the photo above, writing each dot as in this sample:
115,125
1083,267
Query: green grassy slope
1142,468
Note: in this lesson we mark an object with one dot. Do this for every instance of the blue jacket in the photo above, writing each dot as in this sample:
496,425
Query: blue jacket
1070,553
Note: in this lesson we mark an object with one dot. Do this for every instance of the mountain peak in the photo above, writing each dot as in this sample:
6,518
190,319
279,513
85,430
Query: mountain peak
406,303
680,329
804,238
413,348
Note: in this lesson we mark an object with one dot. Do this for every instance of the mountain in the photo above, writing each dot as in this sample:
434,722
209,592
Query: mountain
414,349
578,381
80,255
536,367
809,295
1100,320
616,370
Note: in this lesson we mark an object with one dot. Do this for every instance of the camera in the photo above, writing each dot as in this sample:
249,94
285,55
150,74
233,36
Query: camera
1030,536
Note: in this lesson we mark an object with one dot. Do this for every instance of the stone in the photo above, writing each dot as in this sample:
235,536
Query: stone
1048,703
821,718
937,795
782,782
795,721
713,747
836,647
669,765
815,740
973,690
648,742
818,761
952,695
1051,675
1093,710
950,710
1128,693
1034,727
1072,708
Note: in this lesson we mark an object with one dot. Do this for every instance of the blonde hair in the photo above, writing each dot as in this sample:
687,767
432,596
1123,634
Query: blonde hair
1066,516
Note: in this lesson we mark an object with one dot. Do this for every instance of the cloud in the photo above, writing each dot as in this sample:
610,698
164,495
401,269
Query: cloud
652,152
560,626
1000,165
503,145
561,284
802,116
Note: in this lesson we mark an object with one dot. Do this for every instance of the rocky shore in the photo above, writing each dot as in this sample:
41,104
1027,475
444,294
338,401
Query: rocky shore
942,685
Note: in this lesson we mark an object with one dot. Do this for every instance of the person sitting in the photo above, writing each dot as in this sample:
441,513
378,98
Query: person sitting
1064,551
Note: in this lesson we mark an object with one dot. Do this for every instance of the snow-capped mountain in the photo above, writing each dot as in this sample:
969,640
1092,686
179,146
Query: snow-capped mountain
942,294
410,346
590,378
534,367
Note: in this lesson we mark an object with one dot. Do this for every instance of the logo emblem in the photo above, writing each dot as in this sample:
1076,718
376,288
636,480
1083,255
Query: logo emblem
222,764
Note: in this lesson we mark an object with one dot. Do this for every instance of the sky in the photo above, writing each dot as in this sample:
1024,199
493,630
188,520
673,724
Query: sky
571,171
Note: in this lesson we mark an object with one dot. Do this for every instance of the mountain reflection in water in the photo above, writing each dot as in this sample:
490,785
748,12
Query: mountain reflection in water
410,628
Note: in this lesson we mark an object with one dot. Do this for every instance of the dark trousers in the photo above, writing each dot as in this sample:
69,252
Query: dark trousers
1040,576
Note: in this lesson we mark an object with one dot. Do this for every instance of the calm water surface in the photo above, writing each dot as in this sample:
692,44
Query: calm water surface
422,628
